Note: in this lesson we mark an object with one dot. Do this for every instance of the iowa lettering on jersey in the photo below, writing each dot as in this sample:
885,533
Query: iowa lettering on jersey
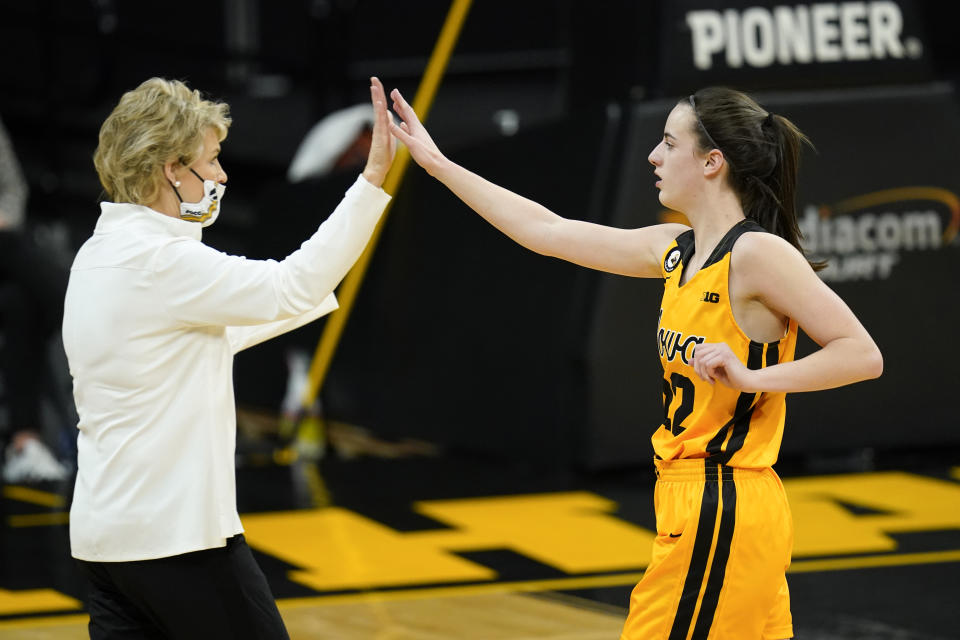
673,343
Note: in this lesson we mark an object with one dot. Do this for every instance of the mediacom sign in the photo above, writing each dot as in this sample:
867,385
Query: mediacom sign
863,237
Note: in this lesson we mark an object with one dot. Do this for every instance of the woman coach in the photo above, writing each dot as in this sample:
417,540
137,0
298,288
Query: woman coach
152,320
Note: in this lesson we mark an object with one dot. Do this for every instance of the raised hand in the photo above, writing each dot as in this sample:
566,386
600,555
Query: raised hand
383,146
413,134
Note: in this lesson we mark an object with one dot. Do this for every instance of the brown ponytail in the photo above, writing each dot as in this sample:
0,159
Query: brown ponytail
763,152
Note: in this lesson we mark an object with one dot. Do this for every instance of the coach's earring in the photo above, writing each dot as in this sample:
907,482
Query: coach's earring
177,184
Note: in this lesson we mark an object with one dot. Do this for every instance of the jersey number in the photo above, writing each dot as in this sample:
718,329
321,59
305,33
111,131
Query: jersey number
670,387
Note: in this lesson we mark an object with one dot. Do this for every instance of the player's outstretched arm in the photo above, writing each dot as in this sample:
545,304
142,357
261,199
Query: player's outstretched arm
775,274
633,252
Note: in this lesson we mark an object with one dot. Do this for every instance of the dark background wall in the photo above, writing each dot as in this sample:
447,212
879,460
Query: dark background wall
459,336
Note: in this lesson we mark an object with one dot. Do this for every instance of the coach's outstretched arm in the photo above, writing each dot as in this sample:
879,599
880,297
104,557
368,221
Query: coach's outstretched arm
633,252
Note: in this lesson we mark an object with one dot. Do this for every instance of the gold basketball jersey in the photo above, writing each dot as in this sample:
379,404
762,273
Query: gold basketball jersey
703,420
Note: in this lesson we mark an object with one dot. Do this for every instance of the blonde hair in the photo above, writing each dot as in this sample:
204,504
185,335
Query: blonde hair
158,122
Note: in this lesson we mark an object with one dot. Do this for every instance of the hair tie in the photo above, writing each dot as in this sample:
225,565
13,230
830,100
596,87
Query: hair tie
769,119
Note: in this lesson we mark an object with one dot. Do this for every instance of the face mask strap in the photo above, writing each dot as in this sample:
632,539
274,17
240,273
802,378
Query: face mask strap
178,192
174,187
175,191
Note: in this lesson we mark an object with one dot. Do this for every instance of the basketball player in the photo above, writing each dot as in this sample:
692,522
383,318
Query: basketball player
736,288
152,320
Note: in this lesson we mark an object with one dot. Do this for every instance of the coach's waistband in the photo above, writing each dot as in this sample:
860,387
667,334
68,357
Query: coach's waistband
697,468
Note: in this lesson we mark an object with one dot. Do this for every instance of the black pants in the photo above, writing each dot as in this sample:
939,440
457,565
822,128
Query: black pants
211,594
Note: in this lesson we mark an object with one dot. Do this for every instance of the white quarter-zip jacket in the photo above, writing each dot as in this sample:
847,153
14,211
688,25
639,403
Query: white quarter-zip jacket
151,322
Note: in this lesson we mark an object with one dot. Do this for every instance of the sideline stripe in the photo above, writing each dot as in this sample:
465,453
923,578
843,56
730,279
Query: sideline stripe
33,496
39,519
388,596
533,586
347,293
46,621
866,562
558,584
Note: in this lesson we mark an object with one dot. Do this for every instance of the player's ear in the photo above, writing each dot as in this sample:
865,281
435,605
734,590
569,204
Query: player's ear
714,162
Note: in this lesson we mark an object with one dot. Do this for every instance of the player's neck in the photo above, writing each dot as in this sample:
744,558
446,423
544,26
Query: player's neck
711,221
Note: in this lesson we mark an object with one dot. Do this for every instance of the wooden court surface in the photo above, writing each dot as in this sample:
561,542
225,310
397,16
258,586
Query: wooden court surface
502,616
444,547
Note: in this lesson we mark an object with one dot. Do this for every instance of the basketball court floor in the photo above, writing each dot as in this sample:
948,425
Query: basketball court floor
404,541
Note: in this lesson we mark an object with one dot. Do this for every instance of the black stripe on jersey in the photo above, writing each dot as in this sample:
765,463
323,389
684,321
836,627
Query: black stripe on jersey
729,239
718,568
742,424
773,354
686,245
742,414
701,553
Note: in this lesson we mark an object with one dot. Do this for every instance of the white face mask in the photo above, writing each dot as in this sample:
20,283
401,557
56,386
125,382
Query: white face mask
206,211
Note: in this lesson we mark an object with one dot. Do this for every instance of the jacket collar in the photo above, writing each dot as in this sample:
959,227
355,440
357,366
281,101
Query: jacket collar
123,216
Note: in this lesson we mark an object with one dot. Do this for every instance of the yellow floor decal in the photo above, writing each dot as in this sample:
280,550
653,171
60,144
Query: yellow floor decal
579,533
907,503
842,522
338,549
34,601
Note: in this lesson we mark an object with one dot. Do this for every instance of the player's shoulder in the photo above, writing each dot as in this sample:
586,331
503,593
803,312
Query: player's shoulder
763,262
758,247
